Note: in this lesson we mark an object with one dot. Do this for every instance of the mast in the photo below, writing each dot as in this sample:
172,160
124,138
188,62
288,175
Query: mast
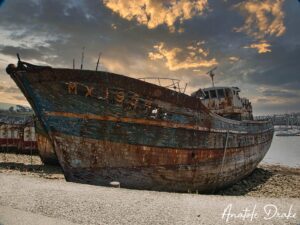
98,61
82,58
212,74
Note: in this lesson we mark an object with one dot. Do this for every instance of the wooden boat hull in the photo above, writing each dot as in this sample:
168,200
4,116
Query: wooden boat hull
45,146
153,168
106,127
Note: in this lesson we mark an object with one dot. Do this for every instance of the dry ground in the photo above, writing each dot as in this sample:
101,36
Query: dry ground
33,193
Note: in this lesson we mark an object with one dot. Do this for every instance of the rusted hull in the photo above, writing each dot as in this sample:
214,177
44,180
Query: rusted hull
45,150
153,168
45,146
107,127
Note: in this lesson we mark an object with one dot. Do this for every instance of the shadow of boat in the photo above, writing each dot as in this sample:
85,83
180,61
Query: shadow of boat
41,170
251,183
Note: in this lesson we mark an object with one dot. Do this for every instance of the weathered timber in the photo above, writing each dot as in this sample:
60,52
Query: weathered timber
107,127
45,146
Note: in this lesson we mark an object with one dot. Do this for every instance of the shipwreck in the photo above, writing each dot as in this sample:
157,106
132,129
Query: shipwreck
106,127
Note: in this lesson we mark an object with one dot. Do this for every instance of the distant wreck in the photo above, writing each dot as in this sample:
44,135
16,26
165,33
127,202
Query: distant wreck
107,127
18,137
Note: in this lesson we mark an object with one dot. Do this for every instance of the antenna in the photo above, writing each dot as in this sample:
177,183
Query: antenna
211,74
73,64
82,57
98,61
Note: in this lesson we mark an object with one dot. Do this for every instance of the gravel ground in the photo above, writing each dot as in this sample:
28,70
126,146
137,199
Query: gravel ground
87,204
266,181
10,216
32,190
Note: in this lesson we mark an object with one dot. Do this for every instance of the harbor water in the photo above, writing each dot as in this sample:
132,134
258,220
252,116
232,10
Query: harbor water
284,151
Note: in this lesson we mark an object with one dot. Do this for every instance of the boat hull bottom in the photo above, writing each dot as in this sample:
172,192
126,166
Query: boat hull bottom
98,162
142,179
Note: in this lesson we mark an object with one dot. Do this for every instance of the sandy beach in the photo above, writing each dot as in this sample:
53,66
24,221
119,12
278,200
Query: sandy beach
35,192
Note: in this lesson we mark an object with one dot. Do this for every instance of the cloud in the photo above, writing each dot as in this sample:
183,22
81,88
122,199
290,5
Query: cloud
233,59
9,89
25,52
270,96
114,26
125,49
262,47
279,69
11,94
267,101
191,57
13,98
263,18
153,13
19,97
281,93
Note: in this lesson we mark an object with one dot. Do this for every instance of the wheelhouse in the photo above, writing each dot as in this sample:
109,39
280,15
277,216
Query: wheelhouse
226,102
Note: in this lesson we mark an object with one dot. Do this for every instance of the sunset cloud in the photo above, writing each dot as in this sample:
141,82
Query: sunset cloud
153,13
262,47
9,93
262,18
191,57
126,43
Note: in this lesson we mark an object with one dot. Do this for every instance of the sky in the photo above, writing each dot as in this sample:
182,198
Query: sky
255,44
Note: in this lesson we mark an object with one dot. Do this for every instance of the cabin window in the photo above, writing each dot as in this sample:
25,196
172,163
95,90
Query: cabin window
221,93
206,95
213,93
